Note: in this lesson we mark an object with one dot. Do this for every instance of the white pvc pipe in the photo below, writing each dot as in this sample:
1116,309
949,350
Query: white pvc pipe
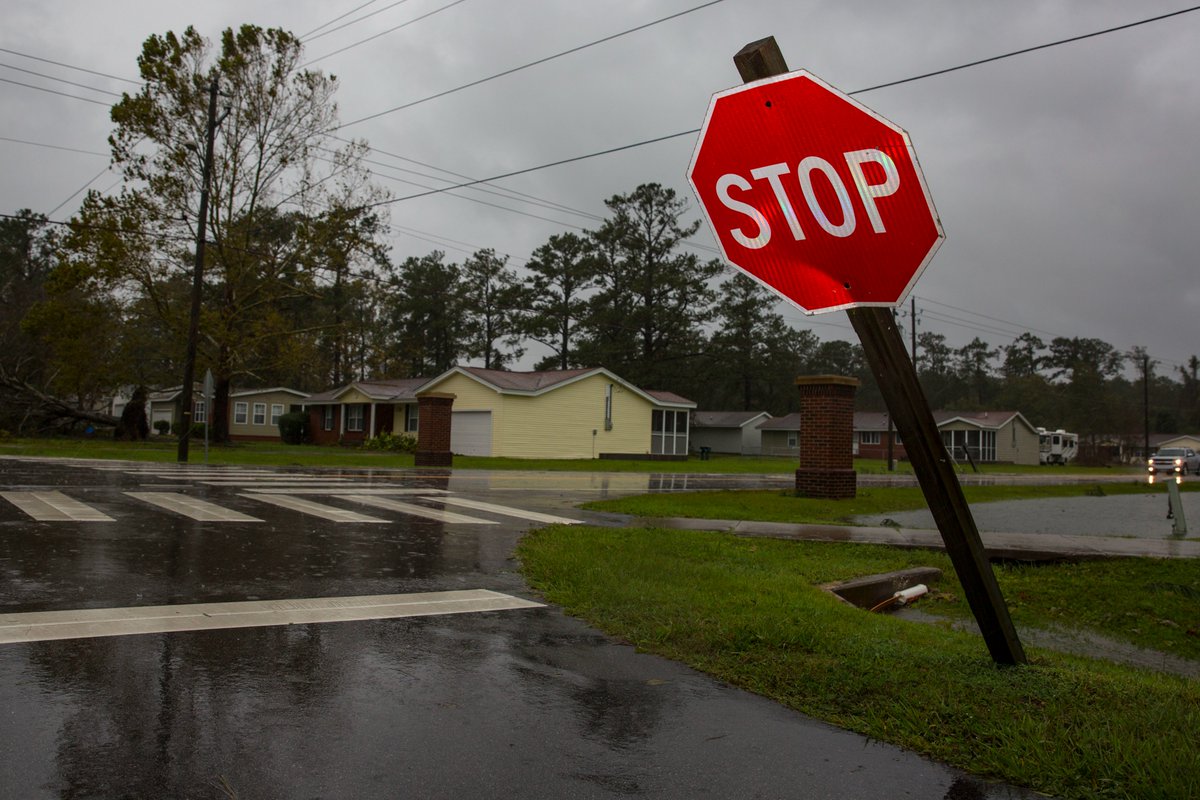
905,596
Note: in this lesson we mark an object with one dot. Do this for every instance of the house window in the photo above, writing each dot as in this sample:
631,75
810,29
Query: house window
608,393
354,417
868,437
260,413
276,412
668,432
412,417
327,420
981,445
241,413
793,439
198,412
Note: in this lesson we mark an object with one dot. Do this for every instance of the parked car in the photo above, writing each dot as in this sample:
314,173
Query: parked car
1175,460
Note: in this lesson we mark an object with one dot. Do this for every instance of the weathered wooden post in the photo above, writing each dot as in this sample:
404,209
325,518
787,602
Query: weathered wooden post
824,243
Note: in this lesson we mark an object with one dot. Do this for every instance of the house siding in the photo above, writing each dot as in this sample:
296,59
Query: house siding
251,432
558,423
775,443
1017,443
721,440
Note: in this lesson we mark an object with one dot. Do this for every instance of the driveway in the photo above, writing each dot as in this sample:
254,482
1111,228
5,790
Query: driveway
273,633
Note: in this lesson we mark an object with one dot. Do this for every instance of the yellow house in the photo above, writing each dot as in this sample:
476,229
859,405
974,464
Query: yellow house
577,413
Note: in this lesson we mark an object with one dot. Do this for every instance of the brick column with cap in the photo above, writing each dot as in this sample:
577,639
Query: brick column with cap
826,437
433,429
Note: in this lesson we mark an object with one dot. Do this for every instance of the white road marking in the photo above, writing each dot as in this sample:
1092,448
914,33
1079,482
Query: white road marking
40,626
331,513
54,506
245,482
507,511
200,510
415,510
354,489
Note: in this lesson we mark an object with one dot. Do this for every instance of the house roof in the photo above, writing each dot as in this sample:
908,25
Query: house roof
726,419
272,390
870,420
788,422
990,420
536,383
668,398
399,389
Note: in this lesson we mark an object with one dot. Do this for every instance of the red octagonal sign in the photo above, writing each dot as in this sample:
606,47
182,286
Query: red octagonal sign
813,194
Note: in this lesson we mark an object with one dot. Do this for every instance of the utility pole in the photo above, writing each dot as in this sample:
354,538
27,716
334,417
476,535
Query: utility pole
1146,404
891,432
189,364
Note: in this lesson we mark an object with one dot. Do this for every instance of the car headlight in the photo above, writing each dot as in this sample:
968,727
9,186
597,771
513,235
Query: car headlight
1178,461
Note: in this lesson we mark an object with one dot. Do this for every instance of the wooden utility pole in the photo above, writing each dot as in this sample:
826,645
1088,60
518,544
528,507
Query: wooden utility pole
894,372
189,363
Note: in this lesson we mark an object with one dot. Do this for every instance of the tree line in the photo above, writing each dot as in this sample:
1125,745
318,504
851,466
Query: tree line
300,289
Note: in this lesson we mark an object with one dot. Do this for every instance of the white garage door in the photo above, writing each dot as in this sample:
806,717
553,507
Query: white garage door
471,433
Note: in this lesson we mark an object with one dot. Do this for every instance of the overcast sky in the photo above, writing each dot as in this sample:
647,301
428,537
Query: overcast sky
1067,179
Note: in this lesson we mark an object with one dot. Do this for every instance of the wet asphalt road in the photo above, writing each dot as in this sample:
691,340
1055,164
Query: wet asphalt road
521,703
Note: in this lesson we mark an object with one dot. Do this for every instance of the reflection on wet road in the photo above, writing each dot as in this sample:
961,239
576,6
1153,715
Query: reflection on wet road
518,702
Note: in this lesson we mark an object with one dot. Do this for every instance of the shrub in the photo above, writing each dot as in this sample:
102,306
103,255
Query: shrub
293,428
162,427
392,442
198,430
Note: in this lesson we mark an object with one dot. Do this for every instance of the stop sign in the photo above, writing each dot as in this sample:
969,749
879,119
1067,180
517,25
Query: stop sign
813,194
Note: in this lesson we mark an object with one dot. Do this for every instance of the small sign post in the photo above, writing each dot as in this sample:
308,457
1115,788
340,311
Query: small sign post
207,392
822,200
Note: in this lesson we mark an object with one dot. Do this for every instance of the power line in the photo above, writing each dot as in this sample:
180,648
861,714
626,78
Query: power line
412,21
70,66
530,64
54,147
60,80
694,131
514,193
548,165
1035,48
55,91
335,19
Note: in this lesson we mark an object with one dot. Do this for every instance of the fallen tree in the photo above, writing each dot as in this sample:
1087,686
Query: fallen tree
31,408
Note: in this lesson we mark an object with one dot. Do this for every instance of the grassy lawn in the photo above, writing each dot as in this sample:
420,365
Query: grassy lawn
783,506
748,611
278,454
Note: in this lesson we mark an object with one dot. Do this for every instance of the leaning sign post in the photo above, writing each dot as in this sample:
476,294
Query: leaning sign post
822,200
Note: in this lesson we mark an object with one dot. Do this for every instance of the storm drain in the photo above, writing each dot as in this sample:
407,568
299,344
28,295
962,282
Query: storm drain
870,591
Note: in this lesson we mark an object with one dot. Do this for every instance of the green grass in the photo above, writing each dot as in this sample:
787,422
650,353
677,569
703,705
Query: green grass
783,506
747,611
278,454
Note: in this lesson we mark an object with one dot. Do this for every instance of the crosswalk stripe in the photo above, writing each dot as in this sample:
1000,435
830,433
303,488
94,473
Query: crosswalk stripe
247,483
413,509
54,506
520,513
192,507
354,489
331,513
40,626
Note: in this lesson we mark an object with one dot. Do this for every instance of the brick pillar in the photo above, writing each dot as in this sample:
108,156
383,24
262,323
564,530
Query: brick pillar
826,437
433,429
